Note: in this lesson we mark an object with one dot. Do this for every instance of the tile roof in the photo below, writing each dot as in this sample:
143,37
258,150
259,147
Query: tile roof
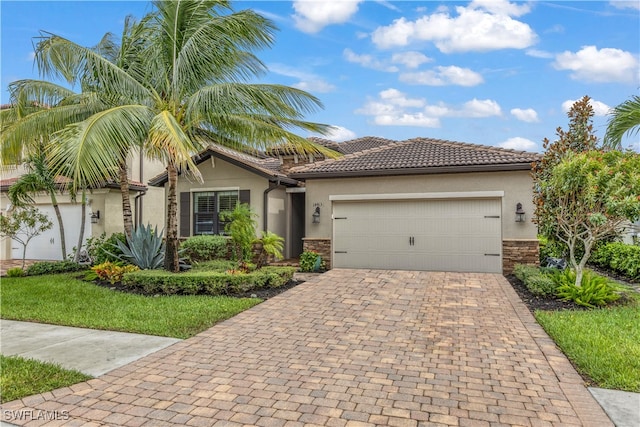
354,145
259,163
417,155
63,181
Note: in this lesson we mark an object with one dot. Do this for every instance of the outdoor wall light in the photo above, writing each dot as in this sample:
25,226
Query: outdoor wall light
95,216
520,214
316,215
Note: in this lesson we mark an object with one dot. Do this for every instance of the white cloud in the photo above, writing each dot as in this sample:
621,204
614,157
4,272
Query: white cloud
482,26
518,143
599,65
623,4
340,133
537,53
599,108
480,108
411,59
395,108
306,81
443,76
368,61
312,16
528,115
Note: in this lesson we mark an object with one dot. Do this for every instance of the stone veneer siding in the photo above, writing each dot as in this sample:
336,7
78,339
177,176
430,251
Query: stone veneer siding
519,252
320,245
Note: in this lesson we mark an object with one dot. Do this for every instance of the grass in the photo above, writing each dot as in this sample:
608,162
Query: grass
64,300
604,344
25,377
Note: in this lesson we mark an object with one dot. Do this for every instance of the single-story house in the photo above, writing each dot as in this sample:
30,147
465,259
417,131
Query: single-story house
103,211
421,204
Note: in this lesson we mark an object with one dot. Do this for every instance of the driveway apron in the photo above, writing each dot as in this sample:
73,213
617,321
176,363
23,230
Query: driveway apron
349,347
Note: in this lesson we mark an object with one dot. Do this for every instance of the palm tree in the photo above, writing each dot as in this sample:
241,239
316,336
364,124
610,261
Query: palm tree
625,119
190,88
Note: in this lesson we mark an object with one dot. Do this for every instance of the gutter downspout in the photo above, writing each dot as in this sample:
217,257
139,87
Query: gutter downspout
265,203
137,201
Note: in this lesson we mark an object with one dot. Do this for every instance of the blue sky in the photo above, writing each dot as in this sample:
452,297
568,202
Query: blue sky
487,72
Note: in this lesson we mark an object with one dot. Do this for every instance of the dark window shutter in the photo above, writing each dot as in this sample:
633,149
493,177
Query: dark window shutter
185,214
245,196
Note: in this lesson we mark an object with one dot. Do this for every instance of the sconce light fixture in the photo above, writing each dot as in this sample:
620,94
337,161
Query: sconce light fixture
95,216
316,215
520,214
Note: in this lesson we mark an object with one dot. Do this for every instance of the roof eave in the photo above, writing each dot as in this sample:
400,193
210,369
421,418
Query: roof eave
505,167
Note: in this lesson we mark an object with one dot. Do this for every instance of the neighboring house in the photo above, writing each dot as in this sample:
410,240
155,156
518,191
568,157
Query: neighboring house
420,204
104,204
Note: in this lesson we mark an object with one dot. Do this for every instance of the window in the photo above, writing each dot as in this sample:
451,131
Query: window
207,207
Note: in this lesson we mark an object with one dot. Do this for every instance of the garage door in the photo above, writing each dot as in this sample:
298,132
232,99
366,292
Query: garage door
432,235
46,246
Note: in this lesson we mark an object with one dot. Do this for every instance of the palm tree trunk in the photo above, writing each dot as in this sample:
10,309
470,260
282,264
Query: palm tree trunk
56,208
127,215
171,259
76,256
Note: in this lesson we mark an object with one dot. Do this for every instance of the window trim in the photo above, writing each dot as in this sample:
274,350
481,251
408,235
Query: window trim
216,213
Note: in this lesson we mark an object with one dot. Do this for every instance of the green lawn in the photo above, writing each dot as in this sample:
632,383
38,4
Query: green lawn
604,343
25,377
63,300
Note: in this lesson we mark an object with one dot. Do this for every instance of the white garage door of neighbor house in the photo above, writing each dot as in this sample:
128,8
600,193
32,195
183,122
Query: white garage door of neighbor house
432,235
46,246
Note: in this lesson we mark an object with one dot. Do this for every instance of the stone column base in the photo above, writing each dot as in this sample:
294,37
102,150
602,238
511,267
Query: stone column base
514,251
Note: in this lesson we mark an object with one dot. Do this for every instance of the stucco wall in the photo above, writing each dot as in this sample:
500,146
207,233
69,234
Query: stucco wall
220,175
517,187
153,202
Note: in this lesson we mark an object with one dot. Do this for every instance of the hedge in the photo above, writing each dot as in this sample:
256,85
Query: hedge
206,282
535,279
54,267
619,257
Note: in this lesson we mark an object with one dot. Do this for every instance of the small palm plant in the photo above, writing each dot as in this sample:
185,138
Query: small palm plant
272,246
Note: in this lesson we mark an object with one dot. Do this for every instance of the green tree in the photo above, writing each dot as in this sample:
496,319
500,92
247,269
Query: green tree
190,90
22,225
578,138
38,179
590,196
271,246
624,119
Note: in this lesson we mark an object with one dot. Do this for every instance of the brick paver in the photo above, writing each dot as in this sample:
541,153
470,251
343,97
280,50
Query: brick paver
347,348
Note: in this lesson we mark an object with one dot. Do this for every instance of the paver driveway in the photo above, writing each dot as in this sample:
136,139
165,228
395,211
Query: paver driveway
350,347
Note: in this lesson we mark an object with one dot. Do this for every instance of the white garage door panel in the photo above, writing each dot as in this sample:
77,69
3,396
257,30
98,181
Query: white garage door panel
444,235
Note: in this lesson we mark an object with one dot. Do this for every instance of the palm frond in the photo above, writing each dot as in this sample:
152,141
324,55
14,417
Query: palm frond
168,142
26,94
89,152
58,57
625,119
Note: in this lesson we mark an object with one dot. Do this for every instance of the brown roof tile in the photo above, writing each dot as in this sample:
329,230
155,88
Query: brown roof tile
417,155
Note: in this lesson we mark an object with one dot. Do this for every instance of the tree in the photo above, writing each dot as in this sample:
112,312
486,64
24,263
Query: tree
577,139
589,196
22,225
189,90
241,226
38,179
624,119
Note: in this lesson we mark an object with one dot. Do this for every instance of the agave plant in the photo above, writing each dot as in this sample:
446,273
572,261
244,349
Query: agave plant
145,248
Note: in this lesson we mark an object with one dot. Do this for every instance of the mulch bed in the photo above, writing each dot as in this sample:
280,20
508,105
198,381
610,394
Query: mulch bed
534,302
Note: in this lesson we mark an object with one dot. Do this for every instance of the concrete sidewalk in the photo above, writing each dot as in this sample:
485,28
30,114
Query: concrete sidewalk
90,351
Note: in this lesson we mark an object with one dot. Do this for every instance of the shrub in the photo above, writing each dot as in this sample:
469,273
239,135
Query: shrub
619,257
113,272
550,249
15,272
205,248
537,280
102,249
595,290
310,261
206,282
53,267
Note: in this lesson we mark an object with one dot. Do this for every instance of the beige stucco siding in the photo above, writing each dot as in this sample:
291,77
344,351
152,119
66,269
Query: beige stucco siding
153,202
219,175
517,188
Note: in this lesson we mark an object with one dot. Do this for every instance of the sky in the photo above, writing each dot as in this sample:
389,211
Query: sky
488,72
